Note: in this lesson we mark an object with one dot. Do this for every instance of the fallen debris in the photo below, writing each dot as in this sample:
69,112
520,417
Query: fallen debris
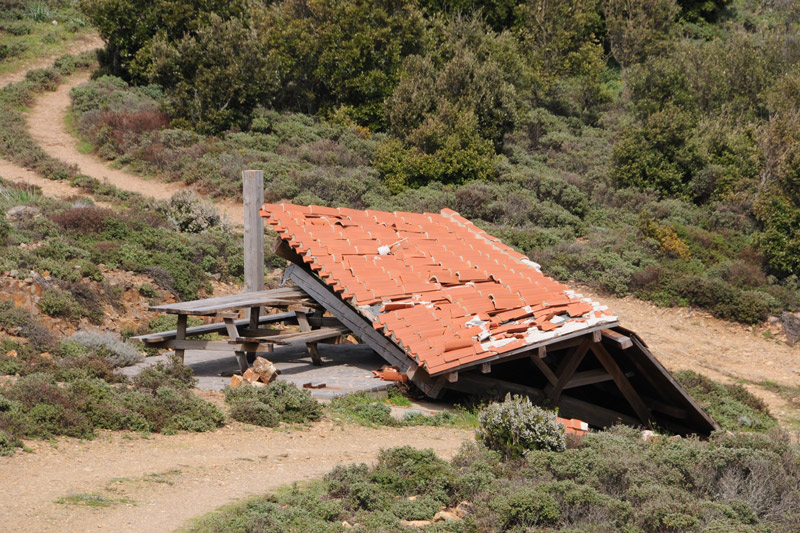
390,373
311,385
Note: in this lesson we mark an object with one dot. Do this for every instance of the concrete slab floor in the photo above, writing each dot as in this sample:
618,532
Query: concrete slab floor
346,368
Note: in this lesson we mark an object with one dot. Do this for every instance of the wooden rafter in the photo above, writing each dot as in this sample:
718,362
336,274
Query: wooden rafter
622,382
567,368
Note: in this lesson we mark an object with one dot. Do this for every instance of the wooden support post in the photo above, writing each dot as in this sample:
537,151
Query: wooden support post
253,193
486,368
622,382
542,352
597,336
180,334
452,377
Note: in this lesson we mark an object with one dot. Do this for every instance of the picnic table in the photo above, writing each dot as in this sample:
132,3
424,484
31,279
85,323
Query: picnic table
251,336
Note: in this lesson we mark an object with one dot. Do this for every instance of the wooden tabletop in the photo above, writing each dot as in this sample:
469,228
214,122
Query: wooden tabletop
283,297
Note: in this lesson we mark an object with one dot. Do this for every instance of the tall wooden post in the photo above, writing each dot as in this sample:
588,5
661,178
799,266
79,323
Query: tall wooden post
253,193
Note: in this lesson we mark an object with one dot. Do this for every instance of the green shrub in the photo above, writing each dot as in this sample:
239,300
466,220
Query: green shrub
190,214
268,406
516,426
732,406
117,352
59,303
172,374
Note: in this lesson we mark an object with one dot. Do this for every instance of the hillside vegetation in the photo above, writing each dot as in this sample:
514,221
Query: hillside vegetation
645,147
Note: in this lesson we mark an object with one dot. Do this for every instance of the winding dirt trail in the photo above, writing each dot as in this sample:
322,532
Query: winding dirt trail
46,122
157,483
17,174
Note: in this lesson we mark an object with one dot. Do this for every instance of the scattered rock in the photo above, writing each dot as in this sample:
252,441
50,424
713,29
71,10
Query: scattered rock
445,516
791,326
415,523
265,369
251,376
22,212
236,381
464,508
12,354
45,355
346,524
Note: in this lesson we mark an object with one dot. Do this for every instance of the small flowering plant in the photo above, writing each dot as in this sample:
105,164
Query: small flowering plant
516,426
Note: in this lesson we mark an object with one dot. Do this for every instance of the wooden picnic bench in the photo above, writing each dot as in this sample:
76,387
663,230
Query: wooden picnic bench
248,337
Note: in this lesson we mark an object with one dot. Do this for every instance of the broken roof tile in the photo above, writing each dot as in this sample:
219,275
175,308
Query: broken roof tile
442,278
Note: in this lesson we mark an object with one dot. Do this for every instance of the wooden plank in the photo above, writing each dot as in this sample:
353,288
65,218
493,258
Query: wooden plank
189,344
588,377
299,337
696,417
283,296
543,368
622,382
218,327
253,195
567,368
623,341
348,316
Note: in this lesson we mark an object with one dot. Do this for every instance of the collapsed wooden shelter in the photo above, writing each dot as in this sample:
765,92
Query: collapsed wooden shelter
455,308
450,306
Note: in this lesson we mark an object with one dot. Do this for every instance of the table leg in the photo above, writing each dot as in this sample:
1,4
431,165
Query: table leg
316,360
254,315
180,335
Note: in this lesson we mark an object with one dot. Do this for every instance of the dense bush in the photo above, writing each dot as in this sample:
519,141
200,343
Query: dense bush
73,396
515,426
117,352
612,481
278,402
732,406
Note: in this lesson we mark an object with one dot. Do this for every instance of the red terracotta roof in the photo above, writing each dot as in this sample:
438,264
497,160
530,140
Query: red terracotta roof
445,291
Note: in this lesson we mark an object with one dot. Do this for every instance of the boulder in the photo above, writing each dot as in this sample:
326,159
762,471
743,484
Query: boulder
791,326
265,369
445,516
251,376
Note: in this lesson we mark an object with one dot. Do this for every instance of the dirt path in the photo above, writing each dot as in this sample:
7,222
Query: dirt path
18,174
47,125
83,44
163,481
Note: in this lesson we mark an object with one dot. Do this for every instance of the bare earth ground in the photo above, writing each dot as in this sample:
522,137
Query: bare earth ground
158,482
46,121
163,481
18,174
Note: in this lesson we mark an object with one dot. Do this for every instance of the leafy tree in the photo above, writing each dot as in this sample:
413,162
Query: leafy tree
778,207
498,14
636,30
702,10
129,26
561,42
332,53
216,76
